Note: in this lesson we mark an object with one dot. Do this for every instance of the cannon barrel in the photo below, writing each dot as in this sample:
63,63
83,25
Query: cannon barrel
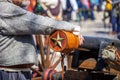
94,42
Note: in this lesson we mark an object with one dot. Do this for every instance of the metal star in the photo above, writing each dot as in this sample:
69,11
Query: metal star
57,40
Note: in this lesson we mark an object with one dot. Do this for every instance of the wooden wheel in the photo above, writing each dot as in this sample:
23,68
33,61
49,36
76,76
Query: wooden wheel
46,59
58,42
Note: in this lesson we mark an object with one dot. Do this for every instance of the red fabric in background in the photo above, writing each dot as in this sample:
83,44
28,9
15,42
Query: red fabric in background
32,5
89,4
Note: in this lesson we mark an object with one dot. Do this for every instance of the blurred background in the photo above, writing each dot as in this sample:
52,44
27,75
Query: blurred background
99,18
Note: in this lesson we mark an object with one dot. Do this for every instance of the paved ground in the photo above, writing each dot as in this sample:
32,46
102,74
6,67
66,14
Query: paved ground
95,28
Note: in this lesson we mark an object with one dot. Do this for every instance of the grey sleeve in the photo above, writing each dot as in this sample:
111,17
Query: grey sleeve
30,23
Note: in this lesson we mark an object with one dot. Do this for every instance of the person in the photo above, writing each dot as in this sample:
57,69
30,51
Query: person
108,5
103,4
92,5
53,8
85,7
17,49
108,8
114,20
118,18
70,7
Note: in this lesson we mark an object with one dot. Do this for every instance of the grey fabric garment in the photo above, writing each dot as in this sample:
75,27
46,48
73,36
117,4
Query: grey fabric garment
16,27
6,1
9,1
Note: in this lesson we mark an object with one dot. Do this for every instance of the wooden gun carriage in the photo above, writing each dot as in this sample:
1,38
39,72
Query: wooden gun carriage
85,63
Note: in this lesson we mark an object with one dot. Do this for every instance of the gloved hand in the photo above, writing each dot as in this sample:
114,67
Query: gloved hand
76,32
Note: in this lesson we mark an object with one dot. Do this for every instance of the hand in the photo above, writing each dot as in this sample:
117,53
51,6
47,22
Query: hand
76,32
81,39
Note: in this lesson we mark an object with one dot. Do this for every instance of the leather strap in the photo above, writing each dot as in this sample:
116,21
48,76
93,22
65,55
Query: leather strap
18,66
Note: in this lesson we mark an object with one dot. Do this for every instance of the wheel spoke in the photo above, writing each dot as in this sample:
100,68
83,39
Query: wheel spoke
69,58
38,72
56,63
42,51
48,53
62,65
51,59
40,66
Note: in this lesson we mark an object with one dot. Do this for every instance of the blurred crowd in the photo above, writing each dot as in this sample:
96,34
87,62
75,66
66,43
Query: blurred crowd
78,10
66,9
111,10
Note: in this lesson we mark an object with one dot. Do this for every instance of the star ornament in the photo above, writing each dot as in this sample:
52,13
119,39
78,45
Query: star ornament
58,40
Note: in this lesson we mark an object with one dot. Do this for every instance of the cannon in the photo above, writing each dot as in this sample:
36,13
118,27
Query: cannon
89,57
85,63
95,42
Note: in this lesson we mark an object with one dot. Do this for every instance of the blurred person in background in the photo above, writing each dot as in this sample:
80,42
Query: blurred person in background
118,18
85,6
69,6
118,21
108,8
103,5
114,19
92,5
53,8
103,8
79,14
